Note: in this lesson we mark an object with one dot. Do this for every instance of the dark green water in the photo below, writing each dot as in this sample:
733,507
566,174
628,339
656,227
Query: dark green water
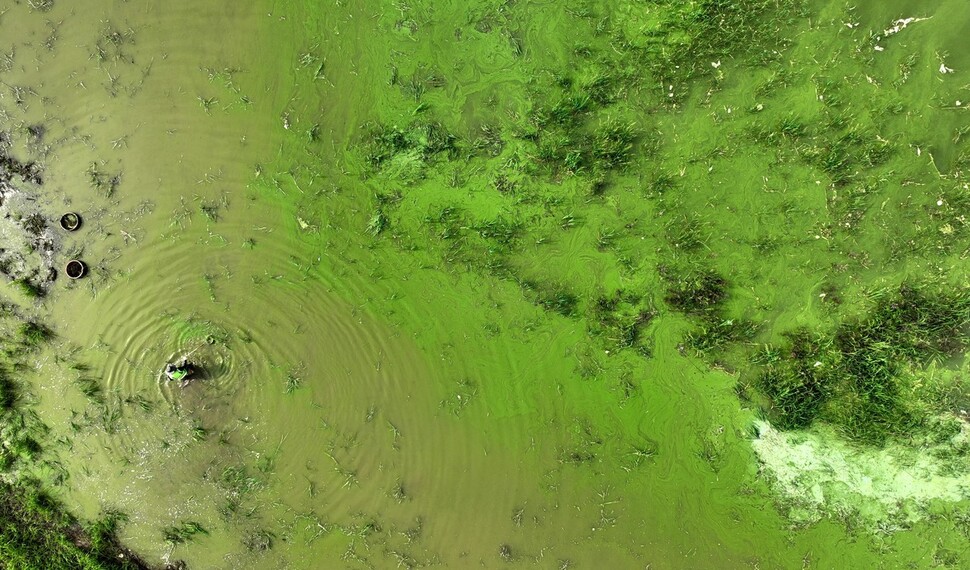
429,280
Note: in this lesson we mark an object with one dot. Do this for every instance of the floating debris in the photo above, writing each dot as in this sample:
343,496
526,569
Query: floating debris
900,25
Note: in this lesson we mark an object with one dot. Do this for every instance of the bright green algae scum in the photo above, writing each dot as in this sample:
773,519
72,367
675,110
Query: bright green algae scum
505,284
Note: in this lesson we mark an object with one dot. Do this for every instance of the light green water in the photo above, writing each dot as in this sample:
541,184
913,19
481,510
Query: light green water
399,399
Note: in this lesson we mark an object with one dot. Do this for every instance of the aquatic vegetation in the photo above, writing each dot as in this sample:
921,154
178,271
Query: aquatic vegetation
34,334
41,5
109,415
555,297
585,444
798,393
209,282
104,182
259,540
698,292
293,380
685,233
11,167
405,153
210,210
199,431
842,153
621,319
464,393
90,387
568,140
348,477
27,288
398,493
854,377
183,532
640,455
146,404
378,223
612,145
715,333
36,533
195,329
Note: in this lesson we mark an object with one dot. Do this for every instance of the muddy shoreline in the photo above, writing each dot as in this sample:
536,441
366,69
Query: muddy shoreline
36,528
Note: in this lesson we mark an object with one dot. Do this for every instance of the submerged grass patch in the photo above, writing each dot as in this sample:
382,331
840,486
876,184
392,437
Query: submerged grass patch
855,377
34,334
404,154
27,288
183,532
35,530
36,533
622,320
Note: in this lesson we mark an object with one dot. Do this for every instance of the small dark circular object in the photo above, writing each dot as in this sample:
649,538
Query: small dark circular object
70,221
210,339
75,269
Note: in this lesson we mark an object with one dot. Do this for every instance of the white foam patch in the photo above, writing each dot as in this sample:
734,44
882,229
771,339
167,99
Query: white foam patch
819,473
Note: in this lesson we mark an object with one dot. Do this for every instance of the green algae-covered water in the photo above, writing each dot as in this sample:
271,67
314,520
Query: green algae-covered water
426,256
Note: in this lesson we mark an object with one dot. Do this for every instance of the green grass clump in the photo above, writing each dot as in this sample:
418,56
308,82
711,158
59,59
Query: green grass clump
612,145
554,297
701,293
798,379
405,153
237,481
90,387
567,140
8,392
698,292
36,533
21,449
681,39
259,541
621,319
715,333
855,376
103,531
183,532
842,154
837,145
27,288
499,234
32,334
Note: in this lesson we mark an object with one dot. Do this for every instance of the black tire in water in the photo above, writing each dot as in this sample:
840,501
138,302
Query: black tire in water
70,221
75,269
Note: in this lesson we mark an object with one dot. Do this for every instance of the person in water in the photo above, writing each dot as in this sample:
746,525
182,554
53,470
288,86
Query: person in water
181,371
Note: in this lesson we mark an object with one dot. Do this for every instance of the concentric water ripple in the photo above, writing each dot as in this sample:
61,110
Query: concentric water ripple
340,402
